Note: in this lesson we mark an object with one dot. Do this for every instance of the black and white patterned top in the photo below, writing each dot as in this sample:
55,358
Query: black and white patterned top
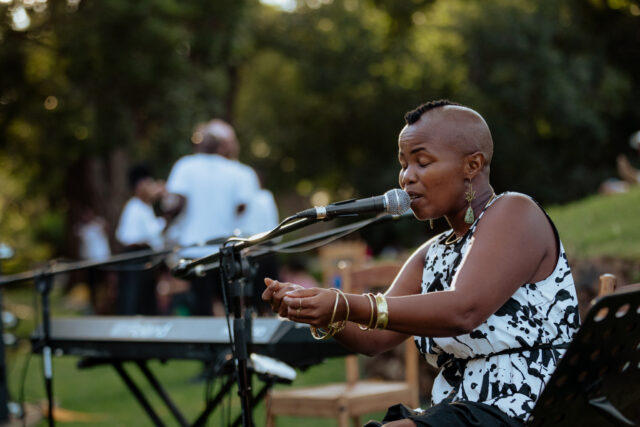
528,332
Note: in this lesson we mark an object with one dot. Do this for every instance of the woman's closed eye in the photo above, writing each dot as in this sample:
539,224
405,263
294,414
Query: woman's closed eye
423,161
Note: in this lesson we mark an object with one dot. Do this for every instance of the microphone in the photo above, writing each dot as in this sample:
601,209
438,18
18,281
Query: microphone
394,202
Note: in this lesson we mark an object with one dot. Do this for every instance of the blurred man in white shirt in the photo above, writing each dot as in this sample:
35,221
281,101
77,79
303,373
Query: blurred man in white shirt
214,193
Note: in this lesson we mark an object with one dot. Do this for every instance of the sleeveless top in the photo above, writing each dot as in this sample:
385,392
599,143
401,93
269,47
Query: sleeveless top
507,360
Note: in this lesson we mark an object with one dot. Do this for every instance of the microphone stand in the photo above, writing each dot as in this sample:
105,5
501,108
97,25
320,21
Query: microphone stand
235,272
235,268
43,286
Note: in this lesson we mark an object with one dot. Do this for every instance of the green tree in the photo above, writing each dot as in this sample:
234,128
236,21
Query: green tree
322,100
93,86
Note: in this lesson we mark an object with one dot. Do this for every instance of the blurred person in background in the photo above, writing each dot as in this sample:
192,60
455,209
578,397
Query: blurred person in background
213,193
261,213
139,228
627,172
491,303
93,245
296,270
261,216
628,175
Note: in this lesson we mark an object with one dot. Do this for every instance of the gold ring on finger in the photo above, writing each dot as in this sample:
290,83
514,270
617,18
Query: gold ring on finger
298,312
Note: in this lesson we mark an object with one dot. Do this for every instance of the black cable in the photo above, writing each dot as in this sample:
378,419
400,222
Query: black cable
212,392
225,304
208,390
23,381
226,308
228,409
36,308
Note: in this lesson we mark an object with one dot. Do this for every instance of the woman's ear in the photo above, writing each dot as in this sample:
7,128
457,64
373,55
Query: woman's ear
473,164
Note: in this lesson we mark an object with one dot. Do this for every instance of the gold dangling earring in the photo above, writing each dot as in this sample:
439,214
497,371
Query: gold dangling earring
431,223
469,195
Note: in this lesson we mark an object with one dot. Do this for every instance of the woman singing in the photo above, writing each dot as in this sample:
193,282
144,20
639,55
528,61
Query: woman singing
490,302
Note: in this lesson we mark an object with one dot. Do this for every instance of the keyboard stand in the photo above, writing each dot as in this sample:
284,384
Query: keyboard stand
229,381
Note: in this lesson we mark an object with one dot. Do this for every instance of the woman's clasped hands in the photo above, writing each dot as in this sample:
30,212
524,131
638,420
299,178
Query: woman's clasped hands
314,306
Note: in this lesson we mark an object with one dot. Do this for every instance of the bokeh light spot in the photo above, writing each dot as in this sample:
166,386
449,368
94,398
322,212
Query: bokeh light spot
81,133
320,198
304,187
197,137
51,102
260,148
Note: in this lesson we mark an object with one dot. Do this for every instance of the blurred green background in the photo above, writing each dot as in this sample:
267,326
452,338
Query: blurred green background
316,90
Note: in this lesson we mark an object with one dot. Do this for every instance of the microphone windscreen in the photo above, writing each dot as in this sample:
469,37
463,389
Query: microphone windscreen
398,201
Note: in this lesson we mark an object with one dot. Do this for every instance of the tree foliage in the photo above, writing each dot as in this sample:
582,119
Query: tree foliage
317,94
93,86
557,94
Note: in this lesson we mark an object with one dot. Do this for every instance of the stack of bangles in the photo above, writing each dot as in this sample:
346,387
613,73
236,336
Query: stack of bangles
378,320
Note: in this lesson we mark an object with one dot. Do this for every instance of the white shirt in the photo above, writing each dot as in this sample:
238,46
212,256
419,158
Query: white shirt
213,187
94,243
261,214
139,225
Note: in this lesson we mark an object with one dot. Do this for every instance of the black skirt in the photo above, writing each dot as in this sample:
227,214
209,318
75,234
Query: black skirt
455,414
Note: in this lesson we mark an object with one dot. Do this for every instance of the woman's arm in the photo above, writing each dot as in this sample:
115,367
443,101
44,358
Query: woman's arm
514,244
316,306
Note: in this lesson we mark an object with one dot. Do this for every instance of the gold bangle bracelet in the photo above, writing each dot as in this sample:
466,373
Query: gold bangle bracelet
315,333
383,312
332,328
337,326
346,302
335,308
373,309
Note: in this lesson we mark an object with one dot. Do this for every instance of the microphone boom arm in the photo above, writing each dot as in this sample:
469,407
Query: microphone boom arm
184,268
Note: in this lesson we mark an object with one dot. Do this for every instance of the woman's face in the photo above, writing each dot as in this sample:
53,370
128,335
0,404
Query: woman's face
431,169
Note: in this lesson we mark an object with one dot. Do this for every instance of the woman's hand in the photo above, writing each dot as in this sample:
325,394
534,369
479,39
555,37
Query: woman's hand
275,292
314,306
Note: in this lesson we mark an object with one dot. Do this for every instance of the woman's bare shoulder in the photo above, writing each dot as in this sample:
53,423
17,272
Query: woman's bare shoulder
517,218
515,207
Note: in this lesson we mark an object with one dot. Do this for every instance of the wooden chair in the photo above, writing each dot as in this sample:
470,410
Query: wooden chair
355,397
335,255
606,284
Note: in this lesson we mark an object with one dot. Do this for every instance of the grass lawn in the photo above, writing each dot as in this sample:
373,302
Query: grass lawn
601,226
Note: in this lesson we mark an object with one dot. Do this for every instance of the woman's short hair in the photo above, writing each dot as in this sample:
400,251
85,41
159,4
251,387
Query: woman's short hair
414,115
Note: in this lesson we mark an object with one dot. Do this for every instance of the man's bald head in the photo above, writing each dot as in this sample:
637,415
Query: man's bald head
216,136
457,126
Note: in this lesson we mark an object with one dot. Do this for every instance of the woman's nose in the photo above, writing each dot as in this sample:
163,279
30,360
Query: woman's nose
407,176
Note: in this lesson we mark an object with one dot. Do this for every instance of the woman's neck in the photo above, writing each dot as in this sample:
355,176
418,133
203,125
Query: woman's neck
457,221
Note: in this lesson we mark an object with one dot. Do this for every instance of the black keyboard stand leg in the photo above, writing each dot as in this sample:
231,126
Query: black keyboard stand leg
162,393
213,403
256,399
138,394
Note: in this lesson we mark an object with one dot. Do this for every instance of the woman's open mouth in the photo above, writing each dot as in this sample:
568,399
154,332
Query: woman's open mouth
414,197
